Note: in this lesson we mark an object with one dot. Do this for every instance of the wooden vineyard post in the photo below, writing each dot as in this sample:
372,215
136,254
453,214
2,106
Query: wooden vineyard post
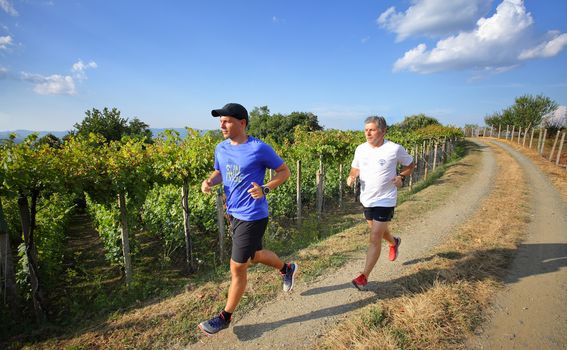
220,223
298,191
415,160
560,149
543,141
444,151
320,187
539,135
425,159
553,148
525,135
189,263
125,237
435,156
340,185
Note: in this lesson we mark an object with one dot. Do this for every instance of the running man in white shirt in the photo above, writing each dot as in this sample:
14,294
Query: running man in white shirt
375,163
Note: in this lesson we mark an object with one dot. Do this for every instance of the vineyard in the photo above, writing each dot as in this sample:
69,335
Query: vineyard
143,199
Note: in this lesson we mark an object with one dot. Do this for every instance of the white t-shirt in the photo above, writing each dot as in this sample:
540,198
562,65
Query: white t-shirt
377,166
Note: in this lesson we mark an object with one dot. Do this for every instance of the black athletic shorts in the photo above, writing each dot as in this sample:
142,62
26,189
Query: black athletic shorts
383,214
246,238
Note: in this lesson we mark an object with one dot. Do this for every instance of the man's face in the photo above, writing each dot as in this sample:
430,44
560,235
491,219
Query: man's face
373,134
232,127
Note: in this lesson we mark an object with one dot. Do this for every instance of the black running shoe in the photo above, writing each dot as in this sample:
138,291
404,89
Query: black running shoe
289,277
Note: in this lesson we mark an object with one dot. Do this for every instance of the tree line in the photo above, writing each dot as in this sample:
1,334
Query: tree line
527,112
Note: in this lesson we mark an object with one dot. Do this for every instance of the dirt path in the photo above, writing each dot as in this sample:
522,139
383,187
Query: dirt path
297,319
531,313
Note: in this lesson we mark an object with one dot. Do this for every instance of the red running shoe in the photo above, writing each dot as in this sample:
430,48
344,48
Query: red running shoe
360,282
394,248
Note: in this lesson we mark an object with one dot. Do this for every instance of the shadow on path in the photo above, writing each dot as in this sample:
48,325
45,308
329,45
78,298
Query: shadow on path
470,267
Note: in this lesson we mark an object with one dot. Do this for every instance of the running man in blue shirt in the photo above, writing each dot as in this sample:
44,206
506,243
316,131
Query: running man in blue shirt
240,164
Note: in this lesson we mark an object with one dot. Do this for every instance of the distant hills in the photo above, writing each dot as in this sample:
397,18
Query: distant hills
22,134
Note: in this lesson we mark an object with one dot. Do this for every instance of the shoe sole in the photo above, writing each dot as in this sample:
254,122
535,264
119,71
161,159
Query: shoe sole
399,244
293,278
359,287
204,331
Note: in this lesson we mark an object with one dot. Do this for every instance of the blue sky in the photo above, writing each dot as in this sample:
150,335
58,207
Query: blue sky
170,62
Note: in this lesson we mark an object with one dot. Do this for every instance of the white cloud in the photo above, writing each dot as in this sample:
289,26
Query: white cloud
79,66
79,69
8,8
278,20
508,23
5,41
495,45
548,48
57,84
433,17
51,85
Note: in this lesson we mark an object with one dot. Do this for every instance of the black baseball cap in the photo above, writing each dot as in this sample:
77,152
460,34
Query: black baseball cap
235,110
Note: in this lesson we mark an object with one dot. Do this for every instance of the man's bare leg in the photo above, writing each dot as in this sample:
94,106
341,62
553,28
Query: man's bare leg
239,278
377,232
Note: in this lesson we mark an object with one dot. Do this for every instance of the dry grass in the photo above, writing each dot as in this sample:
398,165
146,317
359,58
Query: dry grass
445,296
557,174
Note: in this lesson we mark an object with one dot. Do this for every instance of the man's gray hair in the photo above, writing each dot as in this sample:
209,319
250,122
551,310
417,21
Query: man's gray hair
379,121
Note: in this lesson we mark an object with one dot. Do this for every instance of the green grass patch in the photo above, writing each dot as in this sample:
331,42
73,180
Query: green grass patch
375,318
320,265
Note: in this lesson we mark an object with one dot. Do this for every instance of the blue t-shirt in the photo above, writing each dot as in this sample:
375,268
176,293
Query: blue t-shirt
240,165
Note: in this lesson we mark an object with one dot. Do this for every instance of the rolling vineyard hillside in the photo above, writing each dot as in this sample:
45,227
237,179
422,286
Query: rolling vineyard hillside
140,202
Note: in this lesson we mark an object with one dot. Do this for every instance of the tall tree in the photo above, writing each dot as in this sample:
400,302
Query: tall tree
110,124
280,127
529,110
50,140
506,117
493,119
417,121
